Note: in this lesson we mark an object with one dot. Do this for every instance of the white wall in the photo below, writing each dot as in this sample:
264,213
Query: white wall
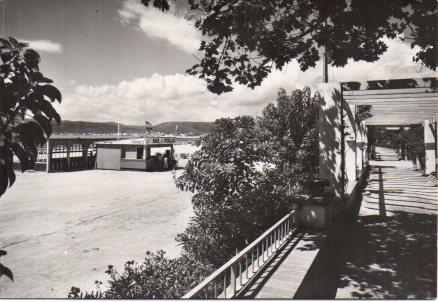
108,158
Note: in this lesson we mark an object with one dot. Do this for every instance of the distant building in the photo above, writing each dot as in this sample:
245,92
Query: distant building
151,153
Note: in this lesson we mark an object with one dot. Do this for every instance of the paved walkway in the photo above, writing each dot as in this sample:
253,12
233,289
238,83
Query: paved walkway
283,277
388,250
391,252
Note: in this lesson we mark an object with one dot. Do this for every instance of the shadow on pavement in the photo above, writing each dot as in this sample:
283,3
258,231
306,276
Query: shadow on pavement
381,256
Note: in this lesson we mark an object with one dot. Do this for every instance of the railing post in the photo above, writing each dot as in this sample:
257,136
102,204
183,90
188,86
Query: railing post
272,244
246,265
268,244
258,255
233,280
240,273
225,284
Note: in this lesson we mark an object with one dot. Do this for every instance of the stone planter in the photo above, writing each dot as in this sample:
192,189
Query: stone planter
314,212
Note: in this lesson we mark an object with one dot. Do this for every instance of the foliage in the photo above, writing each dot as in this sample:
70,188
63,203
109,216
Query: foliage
409,141
245,177
232,203
363,112
286,30
156,277
4,270
23,90
290,135
239,177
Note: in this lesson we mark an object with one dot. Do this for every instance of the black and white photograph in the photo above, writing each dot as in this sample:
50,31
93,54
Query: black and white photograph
218,149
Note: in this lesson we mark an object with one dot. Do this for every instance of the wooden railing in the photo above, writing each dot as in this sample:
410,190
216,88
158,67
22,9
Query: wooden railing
231,279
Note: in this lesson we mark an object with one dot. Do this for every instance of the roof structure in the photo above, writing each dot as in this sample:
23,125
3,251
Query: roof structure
395,102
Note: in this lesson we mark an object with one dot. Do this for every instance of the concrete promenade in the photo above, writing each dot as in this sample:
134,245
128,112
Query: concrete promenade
391,251
386,250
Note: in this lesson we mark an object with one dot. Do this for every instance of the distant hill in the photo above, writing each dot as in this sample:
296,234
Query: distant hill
83,127
185,127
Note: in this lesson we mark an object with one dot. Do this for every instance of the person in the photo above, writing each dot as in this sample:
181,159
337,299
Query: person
159,160
165,162
411,155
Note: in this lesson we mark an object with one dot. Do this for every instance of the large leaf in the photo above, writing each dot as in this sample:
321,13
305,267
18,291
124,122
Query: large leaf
51,92
32,58
22,156
6,43
38,77
31,134
6,158
3,177
44,123
14,42
6,271
20,84
36,103
6,56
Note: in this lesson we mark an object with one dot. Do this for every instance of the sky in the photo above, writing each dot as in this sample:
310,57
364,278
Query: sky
116,60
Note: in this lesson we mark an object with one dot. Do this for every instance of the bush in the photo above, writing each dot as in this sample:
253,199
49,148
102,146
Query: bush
244,179
156,277
232,202
290,139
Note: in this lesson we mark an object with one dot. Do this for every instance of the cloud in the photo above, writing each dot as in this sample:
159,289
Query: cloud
44,45
155,24
180,97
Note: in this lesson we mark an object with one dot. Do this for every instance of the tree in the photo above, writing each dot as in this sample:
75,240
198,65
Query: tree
240,177
232,199
23,89
290,135
246,177
245,39
25,108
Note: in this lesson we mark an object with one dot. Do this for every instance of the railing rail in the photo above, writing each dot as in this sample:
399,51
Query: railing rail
229,280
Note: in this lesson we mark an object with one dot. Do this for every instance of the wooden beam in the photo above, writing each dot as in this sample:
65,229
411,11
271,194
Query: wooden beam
388,99
395,111
391,96
407,105
388,91
395,103
394,121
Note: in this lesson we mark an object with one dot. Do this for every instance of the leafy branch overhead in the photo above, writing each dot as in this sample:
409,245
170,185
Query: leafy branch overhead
26,110
245,39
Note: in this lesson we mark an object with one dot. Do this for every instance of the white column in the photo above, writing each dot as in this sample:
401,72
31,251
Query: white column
365,145
330,136
430,145
359,147
49,155
350,129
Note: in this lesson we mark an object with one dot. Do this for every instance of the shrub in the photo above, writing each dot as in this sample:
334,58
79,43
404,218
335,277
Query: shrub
290,139
232,198
243,179
156,277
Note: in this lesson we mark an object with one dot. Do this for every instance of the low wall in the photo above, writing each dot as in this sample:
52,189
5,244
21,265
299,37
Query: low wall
136,164
321,212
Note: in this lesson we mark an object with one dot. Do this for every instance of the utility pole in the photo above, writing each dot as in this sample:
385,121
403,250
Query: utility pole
3,4
325,66
118,131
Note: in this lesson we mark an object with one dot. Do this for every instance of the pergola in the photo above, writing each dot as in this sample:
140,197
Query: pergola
395,102
72,152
